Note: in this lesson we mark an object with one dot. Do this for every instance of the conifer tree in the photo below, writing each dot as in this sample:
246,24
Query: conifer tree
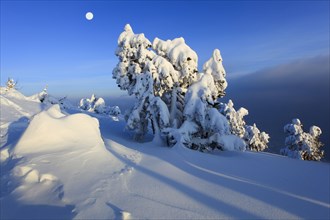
302,145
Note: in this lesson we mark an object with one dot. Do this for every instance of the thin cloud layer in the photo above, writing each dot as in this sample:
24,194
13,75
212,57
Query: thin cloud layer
274,96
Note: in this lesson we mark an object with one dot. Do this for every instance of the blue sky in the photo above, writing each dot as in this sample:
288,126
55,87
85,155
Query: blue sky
51,42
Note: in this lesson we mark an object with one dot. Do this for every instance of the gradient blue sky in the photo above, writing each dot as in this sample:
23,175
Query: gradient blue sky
51,42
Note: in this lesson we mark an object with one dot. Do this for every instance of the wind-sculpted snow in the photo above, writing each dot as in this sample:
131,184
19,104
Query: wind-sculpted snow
51,131
60,165
15,105
76,166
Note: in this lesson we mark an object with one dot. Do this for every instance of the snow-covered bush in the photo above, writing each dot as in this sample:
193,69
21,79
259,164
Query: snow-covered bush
42,96
254,139
97,105
11,84
88,104
114,111
235,118
302,145
47,99
199,111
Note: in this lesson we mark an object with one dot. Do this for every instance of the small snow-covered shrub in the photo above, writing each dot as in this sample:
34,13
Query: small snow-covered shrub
114,110
43,95
11,84
47,99
254,139
302,145
235,118
98,106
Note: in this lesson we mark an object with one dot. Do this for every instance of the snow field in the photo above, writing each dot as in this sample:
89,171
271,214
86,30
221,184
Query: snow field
75,166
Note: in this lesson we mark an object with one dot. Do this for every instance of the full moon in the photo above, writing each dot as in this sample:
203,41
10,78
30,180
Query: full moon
89,16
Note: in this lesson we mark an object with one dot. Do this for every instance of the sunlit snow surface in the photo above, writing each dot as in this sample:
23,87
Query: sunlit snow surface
61,165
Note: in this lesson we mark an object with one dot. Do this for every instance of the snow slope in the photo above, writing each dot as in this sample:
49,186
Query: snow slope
15,112
73,166
15,105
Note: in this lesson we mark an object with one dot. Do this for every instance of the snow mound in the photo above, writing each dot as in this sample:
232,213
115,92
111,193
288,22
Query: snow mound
12,93
35,188
52,131
4,155
228,142
14,105
123,179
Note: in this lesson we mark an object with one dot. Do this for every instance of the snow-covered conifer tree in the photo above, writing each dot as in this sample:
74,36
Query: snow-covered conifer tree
214,67
198,112
182,58
163,72
133,53
212,129
97,105
48,99
43,94
88,104
114,111
302,145
255,140
11,84
177,101
235,118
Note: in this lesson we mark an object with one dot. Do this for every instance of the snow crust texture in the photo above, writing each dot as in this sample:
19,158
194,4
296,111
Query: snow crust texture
77,128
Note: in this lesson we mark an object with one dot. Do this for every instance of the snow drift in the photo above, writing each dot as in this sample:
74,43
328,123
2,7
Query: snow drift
52,131
14,105
64,170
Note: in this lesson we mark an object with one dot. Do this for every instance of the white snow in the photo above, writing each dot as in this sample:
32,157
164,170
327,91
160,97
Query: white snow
178,53
4,155
300,144
228,142
51,131
315,131
214,67
76,166
97,105
14,105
